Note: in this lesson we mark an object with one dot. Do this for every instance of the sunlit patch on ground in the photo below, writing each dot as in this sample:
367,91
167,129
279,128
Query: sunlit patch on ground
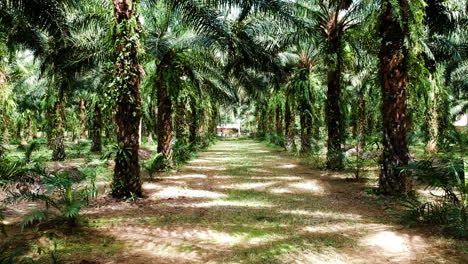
274,177
254,204
217,159
387,241
200,161
244,202
151,186
205,168
249,185
321,214
348,227
287,166
308,186
175,192
281,190
186,176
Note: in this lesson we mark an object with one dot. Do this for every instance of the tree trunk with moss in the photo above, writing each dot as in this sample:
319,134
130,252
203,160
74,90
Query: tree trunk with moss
165,109
194,124
279,121
96,131
126,182
432,118
214,119
58,130
361,119
82,118
261,122
289,144
306,128
181,122
393,57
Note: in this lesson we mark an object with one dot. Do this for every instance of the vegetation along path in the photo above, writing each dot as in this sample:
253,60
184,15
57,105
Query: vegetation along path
245,202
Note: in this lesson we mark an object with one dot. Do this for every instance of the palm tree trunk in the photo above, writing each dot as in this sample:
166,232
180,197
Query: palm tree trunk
289,126
195,124
96,131
214,119
394,77
335,157
432,145
306,127
58,146
261,121
126,182
361,122
164,119
82,118
279,121
361,118
181,122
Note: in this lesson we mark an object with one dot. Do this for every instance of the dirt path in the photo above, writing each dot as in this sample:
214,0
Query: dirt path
243,202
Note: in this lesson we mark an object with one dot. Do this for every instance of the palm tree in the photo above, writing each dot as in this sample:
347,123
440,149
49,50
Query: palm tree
24,20
442,24
300,88
180,56
335,18
127,74
393,57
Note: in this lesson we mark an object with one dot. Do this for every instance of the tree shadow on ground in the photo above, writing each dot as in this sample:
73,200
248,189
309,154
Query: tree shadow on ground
243,202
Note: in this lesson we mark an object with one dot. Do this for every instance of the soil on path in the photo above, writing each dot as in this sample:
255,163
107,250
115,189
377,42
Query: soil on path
244,202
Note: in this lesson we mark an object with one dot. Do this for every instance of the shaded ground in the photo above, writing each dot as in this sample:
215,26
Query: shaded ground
244,202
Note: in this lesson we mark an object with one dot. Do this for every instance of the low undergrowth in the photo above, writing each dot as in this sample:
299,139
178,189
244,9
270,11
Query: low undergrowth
447,209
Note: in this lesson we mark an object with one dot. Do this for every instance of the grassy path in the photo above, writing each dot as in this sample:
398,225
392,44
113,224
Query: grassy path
244,202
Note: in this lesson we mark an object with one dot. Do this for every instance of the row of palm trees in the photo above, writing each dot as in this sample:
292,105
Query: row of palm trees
393,41
186,55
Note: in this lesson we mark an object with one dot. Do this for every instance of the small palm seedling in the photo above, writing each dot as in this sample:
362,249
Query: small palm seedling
24,170
448,210
61,194
156,163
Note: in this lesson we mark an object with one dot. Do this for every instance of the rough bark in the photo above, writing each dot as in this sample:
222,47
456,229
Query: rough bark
306,128
82,118
195,124
361,118
335,157
126,182
279,121
432,145
165,112
289,126
96,145
58,146
181,122
261,121
214,119
394,78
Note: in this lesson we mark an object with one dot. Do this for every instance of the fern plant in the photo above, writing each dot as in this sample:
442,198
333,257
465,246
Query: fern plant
61,194
20,170
156,163
117,150
449,210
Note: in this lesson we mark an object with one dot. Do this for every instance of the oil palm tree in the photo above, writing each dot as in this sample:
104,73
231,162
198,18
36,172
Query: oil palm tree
443,47
181,60
335,18
127,76
393,57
